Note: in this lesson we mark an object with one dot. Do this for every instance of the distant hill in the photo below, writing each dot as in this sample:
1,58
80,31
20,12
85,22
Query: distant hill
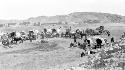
81,17
77,17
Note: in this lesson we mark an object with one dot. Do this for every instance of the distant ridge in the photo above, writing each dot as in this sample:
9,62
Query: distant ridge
77,17
81,17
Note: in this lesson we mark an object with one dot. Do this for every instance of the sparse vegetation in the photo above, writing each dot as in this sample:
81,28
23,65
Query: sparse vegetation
54,53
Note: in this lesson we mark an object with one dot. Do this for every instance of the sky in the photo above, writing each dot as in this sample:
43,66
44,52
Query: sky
24,9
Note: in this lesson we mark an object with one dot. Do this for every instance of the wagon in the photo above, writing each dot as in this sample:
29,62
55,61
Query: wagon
5,42
8,41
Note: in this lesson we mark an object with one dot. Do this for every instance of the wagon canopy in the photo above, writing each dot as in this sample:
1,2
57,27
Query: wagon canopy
94,38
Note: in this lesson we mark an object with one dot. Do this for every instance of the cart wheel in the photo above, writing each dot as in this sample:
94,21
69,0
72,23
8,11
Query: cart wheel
5,42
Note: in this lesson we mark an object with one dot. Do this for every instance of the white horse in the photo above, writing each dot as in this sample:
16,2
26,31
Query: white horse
18,34
58,31
49,30
36,32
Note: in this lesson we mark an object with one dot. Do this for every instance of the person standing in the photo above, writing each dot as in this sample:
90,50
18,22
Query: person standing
112,40
74,38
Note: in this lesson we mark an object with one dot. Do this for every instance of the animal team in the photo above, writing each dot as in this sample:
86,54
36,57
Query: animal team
19,37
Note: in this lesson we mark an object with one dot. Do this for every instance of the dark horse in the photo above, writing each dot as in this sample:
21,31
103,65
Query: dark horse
15,40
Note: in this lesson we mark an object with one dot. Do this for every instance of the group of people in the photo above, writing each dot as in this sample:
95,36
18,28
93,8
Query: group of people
15,36
90,41
46,33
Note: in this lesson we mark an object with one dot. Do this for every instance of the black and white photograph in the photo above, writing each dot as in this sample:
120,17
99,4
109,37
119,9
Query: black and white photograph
62,34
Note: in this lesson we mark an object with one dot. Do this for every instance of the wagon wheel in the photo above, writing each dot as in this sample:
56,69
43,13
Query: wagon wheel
106,33
103,33
5,42
34,37
78,36
57,35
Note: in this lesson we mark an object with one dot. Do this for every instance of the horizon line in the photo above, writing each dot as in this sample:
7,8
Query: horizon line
57,15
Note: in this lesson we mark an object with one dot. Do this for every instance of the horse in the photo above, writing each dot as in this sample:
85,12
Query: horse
16,39
102,31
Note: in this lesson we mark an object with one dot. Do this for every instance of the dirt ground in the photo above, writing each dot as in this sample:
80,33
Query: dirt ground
55,54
